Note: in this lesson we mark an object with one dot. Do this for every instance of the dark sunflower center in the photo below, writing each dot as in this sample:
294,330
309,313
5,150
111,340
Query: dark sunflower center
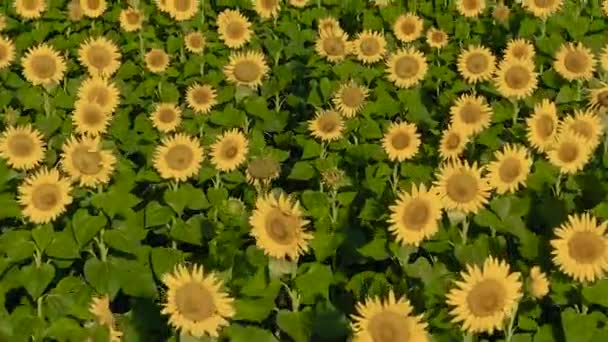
407,67
586,247
471,113
602,98
576,62
194,302
517,77
544,126
99,57
46,196
30,5
568,152
416,215
157,58
183,5
486,298
229,150
195,41
352,97
263,168
179,157
86,161
44,66
328,123
269,4
21,145
401,140
369,46
132,17
92,116
583,128
452,141
93,4
408,27
544,3
281,227
99,95
477,63
334,46
246,71
509,169
235,29
166,115
3,53
388,326
470,5
201,96
462,187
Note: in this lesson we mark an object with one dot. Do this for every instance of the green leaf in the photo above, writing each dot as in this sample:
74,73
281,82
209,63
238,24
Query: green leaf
313,280
164,260
36,279
375,249
121,240
566,95
157,214
186,196
63,246
578,327
316,203
9,206
189,232
596,293
115,201
86,226
42,236
296,324
240,333
254,310
302,171
135,278
102,276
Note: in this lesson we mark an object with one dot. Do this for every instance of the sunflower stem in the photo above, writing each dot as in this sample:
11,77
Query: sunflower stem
218,180
543,28
334,206
142,53
47,104
558,186
510,328
465,230
39,303
395,178
323,150
515,111
579,90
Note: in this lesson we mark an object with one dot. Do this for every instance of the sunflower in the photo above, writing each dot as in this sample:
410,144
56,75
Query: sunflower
229,151
246,69
166,117
401,141
350,98
388,320
436,38
486,297
233,28
581,248
406,67
415,215
90,118
585,123
157,60
195,301
267,8
520,49
100,56
262,170
604,58
85,161
30,9
2,22
179,157
408,27
542,125
298,3
333,45
538,283
201,98
75,12
100,309
598,97
162,5
574,62
453,142
569,152
181,10
93,8
471,8
369,47
331,25
327,125
7,52
510,169
22,147
278,227
195,41
605,7
130,19
100,91
44,195
461,187
516,79
501,13
542,8
476,64
43,65
471,114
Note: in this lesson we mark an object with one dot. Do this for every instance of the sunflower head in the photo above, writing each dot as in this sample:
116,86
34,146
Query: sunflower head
542,125
585,123
350,98
542,8
7,52
401,141
501,13
267,8
298,3
246,69
333,45
22,147
570,153
452,144
330,24
369,47
406,67
516,79
100,91
574,62
30,9
461,186
327,125
470,114
130,19
520,49
201,98
408,27
181,10
510,169
93,8
476,64
195,41
84,160
178,157
470,8
230,150
436,38
157,60
100,56
262,170
538,284
90,118
44,195
233,28
75,12
598,97
166,117
43,65
100,309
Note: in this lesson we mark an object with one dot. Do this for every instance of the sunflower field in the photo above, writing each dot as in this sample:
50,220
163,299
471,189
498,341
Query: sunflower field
304,170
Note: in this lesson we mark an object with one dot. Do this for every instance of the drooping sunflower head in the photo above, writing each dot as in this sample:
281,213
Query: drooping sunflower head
30,9
327,125
574,62
408,27
166,117
278,227
520,49
369,47
195,41
510,169
246,69
157,60
267,8
570,153
461,187
436,38
542,125
7,52
350,98
85,161
44,195
542,8
453,143
233,28
22,147
201,98
470,114
229,151
196,303
406,67
100,309
585,123
538,284
476,64
262,170
516,79
401,141
501,13
100,56
131,19
598,98
75,12
181,10
333,45
90,118
486,296
470,8
93,8
580,248
179,157
100,91
330,24
43,65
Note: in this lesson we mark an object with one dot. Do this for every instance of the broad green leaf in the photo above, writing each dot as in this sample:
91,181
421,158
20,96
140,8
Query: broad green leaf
313,280
135,278
578,327
157,214
63,246
296,324
101,276
85,226
36,279
596,293
186,196
240,333
164,260
42,236
302,171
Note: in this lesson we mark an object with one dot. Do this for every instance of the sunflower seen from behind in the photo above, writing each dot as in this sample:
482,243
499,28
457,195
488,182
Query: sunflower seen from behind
510,169
93,8
166,117
90,118
327,125
86,162
43,65
30,9
130,19
267,9
196,302
100,91
452,144
157,60
44,195
406,67
246,69
538,284
233,28
195,41
201,98
461,186
471,8
516,79
100,56
541,127
178,157
350,98
333,45
574,62
542,8
408,27
569,153
7,52
369,47
22,147
471,114
181,10
229,151
100,309
476,64
261,171
401,141
436,38
585,123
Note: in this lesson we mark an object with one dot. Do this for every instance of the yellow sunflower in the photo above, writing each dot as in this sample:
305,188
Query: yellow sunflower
604,58
195,41
90,118
521,49
331,25
598,97
542,126
278,227
470,114
75,12
406,67
100,56
85,161
246,69
43,65
29,9
131,19
516,79
298,3
327,125
162,5
157,60
476,64
100,91
233,28
100,309
510,169
2,22
501,13
486,297
333,45
542,8
166,117
22,147
7,52
415,215
391,319
585,123
181,10
369,47
408,27
229,151
605,7
436,38
538,283
569,152
350,98
44,195
93,8
267,8
452,144
574,62
461,186
470,8
195,302
179,157
201,98
261,171
401,141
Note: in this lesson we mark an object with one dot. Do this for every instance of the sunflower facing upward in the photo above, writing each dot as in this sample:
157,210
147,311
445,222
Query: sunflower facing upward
278,227
486,297
100,309
476,64
333,45
350,98
406,67
44,195
574,62
541,127
43,65
327,125
436,38
93,8
100,91
181,10
401,141
22,147
85,161
580,248
516,79
90,118
157,60
130,19
585,123
267,8
201,98
452,144
510,169
179,157
229,151
30,9
7,52
470,8
195,302
246,69
470,114
569,152
166,117
461,187
233,28
100,56
369,47
195,41
408,27
542,8
391,319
